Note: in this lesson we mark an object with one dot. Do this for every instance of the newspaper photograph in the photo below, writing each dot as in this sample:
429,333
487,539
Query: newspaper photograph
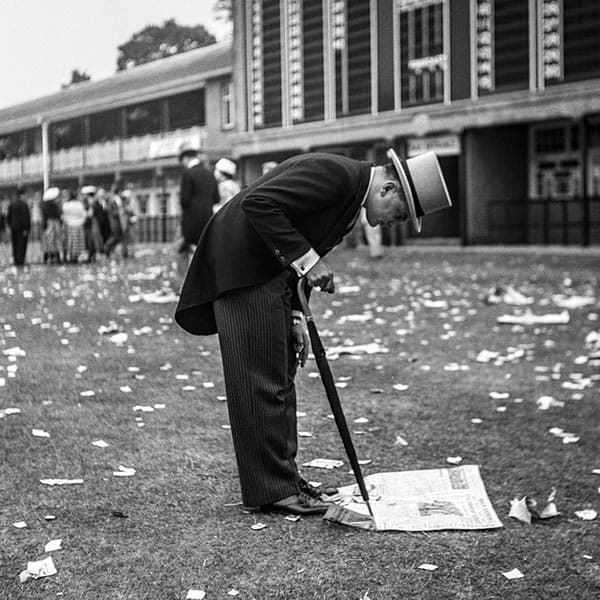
424,500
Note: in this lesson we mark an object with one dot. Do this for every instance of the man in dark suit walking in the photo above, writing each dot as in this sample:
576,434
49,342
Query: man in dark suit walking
241,284
18,219
199,191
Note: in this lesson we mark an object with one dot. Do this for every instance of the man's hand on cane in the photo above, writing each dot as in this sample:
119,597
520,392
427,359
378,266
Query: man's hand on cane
300,338
321,276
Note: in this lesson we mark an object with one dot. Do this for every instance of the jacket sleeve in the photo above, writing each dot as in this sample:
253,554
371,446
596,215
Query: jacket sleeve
273,207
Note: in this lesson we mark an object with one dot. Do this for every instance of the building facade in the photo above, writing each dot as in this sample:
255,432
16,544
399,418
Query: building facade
507,92
128,126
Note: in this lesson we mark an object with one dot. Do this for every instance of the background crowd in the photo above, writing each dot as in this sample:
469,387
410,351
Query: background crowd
77,225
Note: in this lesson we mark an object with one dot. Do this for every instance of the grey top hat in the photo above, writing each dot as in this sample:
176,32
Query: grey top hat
423,185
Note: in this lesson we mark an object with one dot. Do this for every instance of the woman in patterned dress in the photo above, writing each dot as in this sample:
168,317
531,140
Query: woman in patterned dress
74,219
52,238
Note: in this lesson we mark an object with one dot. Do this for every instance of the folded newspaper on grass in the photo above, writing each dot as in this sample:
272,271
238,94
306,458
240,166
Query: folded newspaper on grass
425,500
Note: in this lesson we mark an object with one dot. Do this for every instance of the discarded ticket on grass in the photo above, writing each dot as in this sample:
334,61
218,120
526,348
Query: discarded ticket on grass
425,500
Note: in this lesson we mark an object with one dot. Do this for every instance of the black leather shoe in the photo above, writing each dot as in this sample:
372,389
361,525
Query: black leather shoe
298,504
314,492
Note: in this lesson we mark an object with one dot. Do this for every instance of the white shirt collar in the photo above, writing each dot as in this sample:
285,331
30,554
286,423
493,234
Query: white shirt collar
193,163
368,187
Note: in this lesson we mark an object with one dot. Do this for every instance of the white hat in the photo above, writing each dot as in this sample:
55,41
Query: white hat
187,148
88,190
52,193
226,166
423,185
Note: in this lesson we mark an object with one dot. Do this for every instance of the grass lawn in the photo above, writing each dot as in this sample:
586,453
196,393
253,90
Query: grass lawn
175,524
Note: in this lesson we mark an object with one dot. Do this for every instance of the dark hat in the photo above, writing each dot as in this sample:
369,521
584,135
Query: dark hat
423,185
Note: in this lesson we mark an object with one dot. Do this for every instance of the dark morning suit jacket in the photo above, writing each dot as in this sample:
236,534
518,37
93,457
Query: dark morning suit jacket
306,201
18,217
198,193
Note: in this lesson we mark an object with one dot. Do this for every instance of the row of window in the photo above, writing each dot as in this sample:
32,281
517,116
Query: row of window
480,47
180,111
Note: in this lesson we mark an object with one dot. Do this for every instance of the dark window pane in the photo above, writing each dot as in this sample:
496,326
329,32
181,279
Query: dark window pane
67,134
143,118
187,110
104,126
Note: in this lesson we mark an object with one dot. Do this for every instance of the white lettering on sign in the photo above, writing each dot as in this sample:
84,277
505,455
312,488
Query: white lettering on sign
485,51
551,39
442,145
427,63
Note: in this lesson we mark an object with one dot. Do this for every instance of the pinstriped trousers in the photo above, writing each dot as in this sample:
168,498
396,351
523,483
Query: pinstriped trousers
254,326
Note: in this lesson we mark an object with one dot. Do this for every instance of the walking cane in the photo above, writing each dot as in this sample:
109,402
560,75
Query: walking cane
332,395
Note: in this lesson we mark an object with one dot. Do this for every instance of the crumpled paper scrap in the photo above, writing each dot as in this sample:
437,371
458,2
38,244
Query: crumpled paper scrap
530,318
587,514
37,569
547,402
508,295
526,508
572,302
324,463
61,481
513,574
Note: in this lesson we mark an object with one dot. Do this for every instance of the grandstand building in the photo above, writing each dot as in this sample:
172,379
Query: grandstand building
129,126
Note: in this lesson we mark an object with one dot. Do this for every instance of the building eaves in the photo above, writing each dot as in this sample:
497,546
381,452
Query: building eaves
160,77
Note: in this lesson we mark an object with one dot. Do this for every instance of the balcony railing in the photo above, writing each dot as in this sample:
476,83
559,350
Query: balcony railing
104,154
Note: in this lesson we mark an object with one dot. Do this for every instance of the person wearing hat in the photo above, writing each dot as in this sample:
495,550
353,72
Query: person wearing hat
224,172
241,284
52,236
91,226
198,193
18,219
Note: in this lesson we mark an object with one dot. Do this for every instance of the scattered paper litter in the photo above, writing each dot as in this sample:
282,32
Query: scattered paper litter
100,444
14,351
40,433
508,295
233,592
529,318
124,472
454,460
119,338
53,545
160,297
258,526
587,515
61,481
324,463
428,567
526,508
572,302
4,412
195,595
400,441
20,524
513,574
400,387
547,402
357,350
38,569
